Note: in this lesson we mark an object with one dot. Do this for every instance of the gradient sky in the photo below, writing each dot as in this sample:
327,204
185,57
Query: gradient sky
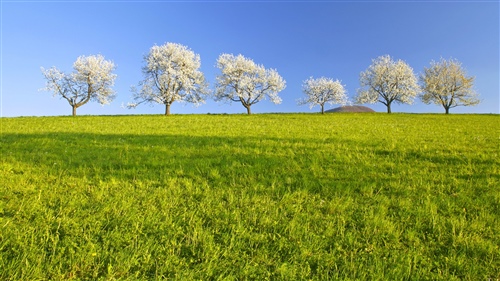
336,39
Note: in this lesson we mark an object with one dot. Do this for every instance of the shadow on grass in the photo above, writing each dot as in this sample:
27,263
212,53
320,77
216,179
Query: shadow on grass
157,159
292,163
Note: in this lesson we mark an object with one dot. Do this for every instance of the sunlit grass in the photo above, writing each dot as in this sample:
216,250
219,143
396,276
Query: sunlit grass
271,196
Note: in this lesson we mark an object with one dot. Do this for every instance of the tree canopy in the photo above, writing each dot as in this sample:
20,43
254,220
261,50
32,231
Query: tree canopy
91,79
320,91
171,74
446,83
387,81
242,80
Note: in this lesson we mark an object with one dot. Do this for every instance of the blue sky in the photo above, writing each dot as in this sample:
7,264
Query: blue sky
336,39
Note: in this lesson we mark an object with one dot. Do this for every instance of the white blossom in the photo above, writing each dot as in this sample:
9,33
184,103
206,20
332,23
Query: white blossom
91,79
323,90
445,83
241,80
387,81
171,74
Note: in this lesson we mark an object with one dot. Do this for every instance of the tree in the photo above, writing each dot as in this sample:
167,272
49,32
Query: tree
91,79
321,91
246,82
387,81
446,83
171,74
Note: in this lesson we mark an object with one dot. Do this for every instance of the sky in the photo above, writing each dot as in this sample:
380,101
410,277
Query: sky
300,39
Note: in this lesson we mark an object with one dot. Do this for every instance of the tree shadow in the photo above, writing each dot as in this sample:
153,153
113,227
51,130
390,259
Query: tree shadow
157,159
219,161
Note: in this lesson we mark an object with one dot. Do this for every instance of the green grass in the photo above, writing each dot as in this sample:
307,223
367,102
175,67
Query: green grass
237,197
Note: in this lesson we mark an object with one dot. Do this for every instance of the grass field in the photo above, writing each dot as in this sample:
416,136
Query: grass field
259,197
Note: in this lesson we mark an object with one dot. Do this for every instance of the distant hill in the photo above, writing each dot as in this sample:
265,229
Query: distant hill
350,108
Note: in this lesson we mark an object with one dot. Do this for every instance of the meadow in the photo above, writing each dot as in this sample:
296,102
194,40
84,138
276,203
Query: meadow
250,197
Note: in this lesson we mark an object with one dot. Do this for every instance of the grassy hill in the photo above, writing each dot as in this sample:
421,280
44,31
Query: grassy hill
237,197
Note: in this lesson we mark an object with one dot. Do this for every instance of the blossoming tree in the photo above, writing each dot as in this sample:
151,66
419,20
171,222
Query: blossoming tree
91,79
171,74
241,80
323,90
446,83
387,81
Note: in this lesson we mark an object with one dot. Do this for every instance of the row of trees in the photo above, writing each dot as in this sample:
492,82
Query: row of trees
444,83
172,73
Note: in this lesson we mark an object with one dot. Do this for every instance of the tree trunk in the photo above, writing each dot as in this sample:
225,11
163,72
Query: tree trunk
447,110
74,110
389,108
322,109
167,109
248,110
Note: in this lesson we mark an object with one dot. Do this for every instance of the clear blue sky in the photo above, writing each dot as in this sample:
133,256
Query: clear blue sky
336,39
